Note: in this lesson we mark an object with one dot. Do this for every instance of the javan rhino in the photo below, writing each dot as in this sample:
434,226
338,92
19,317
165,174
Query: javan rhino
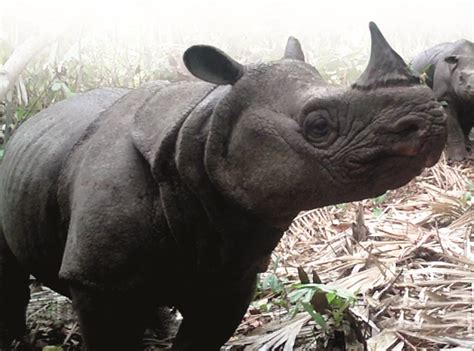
176,195
449,69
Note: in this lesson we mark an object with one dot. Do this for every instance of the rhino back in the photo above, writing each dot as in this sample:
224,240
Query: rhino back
29,173
426,61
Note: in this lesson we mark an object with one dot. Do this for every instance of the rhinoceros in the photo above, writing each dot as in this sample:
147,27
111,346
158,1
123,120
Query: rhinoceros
449,70
176,194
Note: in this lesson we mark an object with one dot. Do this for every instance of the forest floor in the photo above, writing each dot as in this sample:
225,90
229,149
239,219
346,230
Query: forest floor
408,258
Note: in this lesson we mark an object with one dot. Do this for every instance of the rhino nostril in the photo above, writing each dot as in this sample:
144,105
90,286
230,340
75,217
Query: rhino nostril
411,129
409,126
407,137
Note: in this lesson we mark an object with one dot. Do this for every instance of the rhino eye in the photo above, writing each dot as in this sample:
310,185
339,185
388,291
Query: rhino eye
318,127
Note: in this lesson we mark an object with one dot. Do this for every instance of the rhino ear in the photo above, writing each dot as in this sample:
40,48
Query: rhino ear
453,59
293,50
212,65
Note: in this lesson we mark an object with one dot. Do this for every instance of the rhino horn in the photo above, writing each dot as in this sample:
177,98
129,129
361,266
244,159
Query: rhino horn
293,50
386,68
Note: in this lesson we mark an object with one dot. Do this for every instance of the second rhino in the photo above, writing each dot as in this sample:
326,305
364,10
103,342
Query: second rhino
449,71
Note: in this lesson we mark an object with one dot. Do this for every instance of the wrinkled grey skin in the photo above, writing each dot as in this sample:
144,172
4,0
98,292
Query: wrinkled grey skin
177,194
449,69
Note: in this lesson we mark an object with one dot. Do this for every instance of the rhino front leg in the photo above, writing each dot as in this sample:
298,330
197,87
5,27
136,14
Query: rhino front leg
111,320
456,144
14,296
466,128
210,317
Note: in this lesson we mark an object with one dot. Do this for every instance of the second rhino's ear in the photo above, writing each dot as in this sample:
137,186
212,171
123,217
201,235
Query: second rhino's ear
453,59
212,65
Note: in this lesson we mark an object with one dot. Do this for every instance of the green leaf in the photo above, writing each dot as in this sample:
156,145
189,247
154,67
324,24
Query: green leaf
338,302
301,295
20,113
377,212
330,296
343,293
2,151
67,92
380,199
280,303
468,196
56,86
52,348
271,282
317,317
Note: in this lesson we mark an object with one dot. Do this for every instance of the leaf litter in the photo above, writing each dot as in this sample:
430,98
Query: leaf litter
409,260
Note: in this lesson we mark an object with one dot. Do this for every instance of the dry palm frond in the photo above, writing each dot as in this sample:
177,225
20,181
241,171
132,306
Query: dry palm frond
415,271
273,335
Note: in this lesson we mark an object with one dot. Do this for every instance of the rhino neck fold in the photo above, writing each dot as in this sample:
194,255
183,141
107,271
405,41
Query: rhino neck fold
225,235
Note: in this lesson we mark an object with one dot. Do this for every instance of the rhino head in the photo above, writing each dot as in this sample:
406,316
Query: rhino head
462,68
457,72
283,140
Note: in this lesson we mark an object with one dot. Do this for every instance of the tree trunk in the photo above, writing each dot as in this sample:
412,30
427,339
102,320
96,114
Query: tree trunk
12,69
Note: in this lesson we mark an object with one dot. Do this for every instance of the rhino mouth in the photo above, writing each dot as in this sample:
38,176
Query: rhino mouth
468,94
416,153
367,164
424,149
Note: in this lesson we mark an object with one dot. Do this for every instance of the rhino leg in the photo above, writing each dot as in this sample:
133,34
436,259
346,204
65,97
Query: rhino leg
14,296
466,129
456,144
111,320
467,140
204,328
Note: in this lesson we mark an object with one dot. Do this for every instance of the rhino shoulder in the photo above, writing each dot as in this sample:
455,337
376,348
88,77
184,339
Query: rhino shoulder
108,199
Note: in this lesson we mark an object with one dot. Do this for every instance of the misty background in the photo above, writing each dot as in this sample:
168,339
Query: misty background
126,43
241,23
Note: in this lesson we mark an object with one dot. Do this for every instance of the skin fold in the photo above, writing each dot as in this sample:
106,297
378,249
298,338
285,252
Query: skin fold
176,194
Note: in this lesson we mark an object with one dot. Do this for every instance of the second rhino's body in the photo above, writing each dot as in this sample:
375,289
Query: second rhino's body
449,70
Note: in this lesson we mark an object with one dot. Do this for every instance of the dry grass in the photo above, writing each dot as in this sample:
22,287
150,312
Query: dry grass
414,273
